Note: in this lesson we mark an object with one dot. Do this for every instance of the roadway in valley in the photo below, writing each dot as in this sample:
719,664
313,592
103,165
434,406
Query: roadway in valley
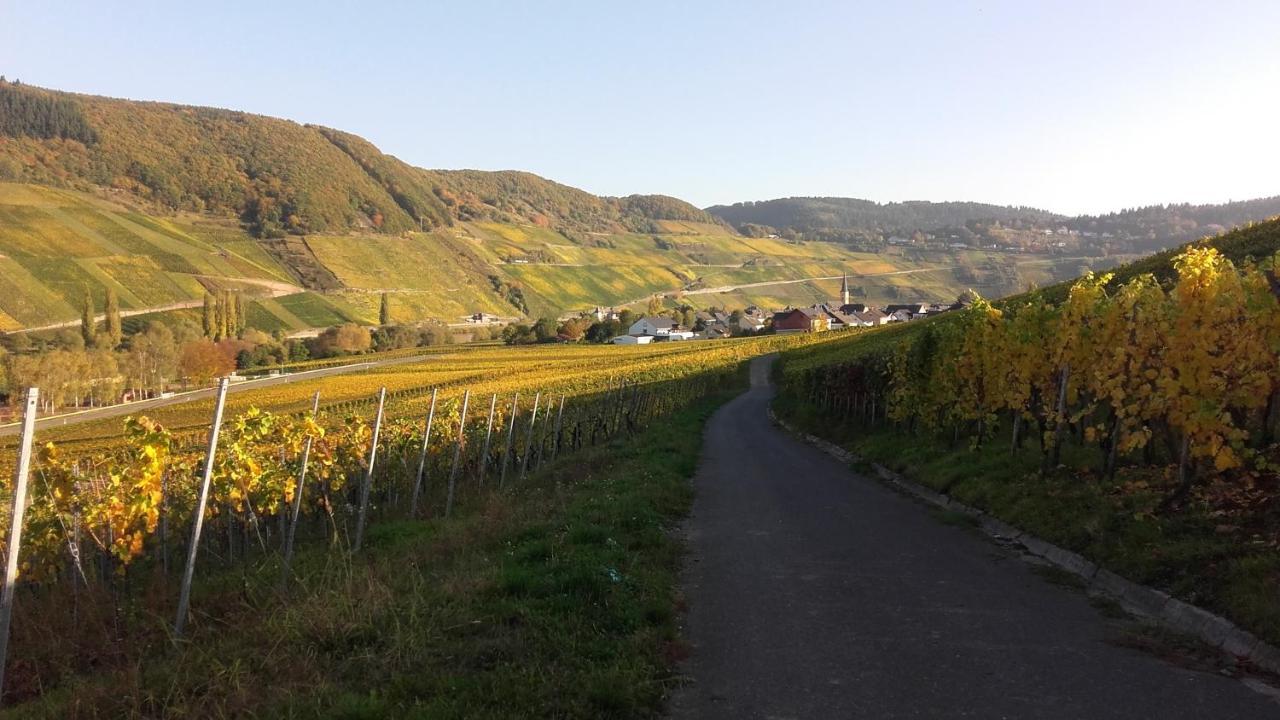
130,408
814,592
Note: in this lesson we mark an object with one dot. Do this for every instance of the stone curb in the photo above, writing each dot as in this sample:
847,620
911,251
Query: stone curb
1148,603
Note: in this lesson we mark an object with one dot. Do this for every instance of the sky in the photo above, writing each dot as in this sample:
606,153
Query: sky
1076,107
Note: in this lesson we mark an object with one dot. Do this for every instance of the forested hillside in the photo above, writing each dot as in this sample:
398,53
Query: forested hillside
277,176
904,218
870,225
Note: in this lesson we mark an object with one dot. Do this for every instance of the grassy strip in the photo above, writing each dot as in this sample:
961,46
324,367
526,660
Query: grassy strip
554,600
1115,523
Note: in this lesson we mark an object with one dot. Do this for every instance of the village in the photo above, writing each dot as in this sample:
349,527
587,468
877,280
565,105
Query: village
820,317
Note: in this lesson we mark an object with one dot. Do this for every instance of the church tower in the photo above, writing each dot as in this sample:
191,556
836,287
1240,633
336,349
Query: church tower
844,290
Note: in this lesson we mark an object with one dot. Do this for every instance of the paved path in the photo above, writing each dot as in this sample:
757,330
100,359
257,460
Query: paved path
816,593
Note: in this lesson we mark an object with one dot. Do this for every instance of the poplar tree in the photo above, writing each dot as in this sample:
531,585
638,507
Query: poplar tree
228,302
210,329
88,326
241,320
384,311
220,319
114,328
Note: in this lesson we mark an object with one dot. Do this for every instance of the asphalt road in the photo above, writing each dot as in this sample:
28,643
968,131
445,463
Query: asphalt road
816,593
111,411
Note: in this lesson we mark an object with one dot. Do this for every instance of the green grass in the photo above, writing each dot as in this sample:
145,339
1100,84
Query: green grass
1115,523
555,599
318,310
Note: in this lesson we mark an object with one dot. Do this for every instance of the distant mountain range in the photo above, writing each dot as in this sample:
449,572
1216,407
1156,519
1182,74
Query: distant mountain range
871,224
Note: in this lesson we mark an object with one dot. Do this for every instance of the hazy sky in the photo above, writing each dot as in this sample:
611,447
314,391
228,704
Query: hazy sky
1072,106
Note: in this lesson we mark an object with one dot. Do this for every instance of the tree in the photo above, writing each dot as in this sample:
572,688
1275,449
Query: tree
518,335
202,360
209,319
655,306
88,325
396,337
349,339
242,321
384,310
152,358
232,321
114,330
574,328
219,319
544,329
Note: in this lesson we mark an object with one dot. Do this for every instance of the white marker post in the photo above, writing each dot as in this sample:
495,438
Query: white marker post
15,528
368,473
528,446
555,445
422,457
296,511
488,437
184,598
457,453
511,433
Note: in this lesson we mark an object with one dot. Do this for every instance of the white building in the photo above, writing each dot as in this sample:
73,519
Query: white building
655,326
633,340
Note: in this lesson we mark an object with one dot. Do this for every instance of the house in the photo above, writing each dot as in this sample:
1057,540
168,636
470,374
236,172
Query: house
870,317
753,319
911,311
676,334
717,331
800,320
850,308
633,340
656,326
836,320
901,316
602,314
482,318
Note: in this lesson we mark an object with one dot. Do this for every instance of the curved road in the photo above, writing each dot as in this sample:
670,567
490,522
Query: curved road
816,593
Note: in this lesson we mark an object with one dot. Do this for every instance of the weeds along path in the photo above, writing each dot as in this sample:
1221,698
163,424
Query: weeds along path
816,593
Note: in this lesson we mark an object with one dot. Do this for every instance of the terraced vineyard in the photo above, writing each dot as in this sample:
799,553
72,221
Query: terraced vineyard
454,430
54,243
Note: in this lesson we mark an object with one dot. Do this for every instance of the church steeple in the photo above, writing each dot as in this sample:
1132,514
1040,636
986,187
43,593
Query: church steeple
844,290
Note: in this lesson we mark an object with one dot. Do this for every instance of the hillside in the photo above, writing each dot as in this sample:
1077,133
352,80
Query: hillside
903,218
871,225
278,176
162,202
55,243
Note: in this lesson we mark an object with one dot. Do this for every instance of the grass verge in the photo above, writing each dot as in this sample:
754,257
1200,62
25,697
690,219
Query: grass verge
555,599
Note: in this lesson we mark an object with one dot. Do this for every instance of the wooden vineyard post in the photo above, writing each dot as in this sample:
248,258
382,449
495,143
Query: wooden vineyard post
555,445
511,433
617,411
368,473
488,437
184,596
528,446
296,510
422,456
15,526
457,453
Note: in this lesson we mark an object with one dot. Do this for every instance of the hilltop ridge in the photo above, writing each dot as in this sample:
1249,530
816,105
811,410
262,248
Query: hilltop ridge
281,177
